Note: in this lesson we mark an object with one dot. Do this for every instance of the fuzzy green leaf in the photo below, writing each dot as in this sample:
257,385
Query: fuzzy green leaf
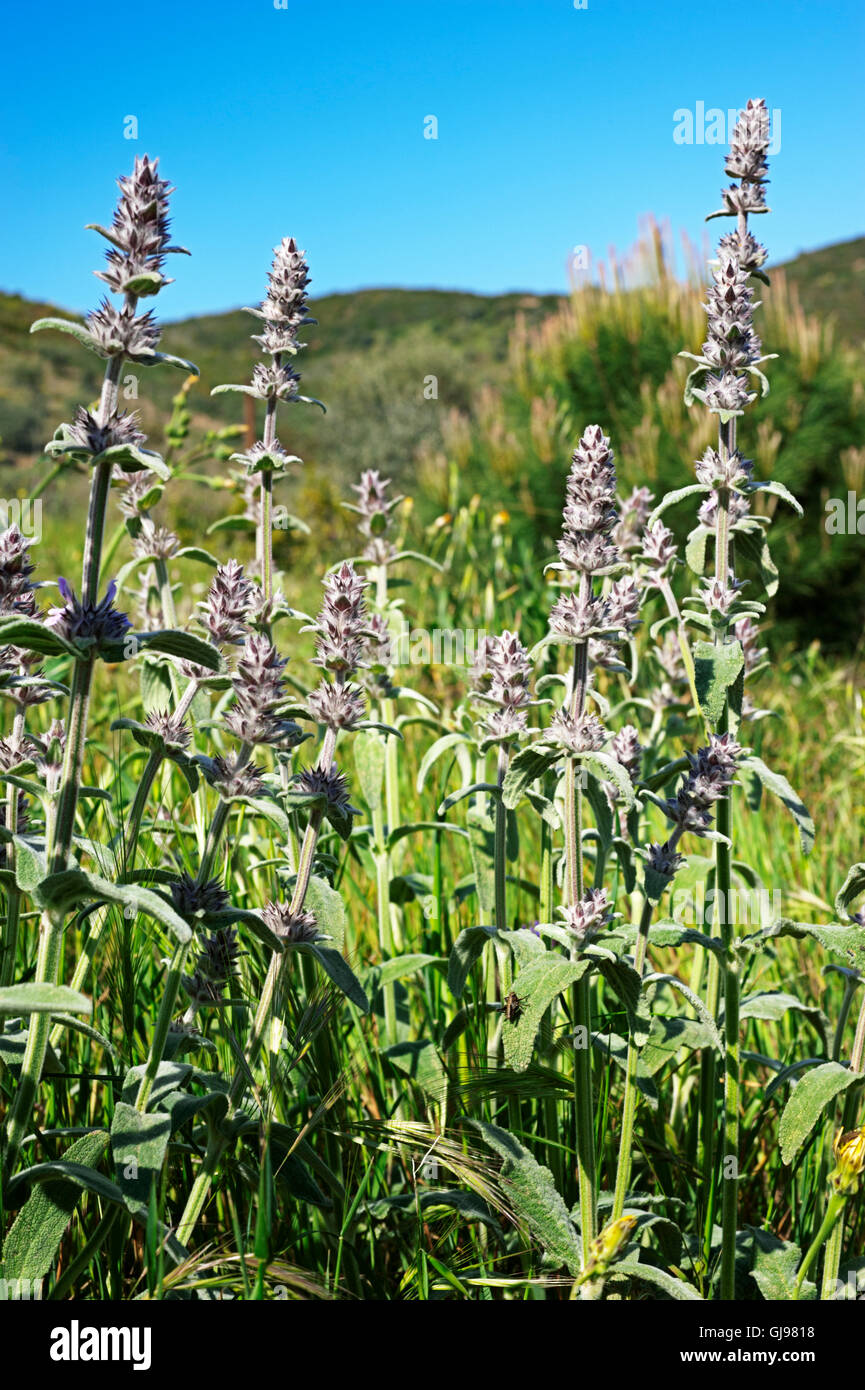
329,910
526,767
607,769
533,1193
76,886
776,1264
716,669
816,1090
777,489
841,938
138,1144
37,998
678,495
467,948
34,636
369,759
30,1248
183,645
852,888
776,783
340,972
536,986
659,1279
75,330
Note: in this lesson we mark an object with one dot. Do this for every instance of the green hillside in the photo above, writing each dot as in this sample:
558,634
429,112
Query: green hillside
368,359
831,282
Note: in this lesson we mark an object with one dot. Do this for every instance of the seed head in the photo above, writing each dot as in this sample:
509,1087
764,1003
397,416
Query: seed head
720,598
374,509
122,332
713,769
284,307
214,967
275,379
337,706
292,927
341,626
140,227
664,860
727,470
225,609
621,608
633,515
50,758
136,486
192,899
738,507
329,783
627,750
88,436
583,733
587,917
749,635
749,144
95,623
658,551
746,249
259,690
500,675
155,542
574,617
590,513
172,730
231,778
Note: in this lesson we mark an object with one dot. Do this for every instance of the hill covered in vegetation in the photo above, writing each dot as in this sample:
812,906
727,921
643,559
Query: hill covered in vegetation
453,394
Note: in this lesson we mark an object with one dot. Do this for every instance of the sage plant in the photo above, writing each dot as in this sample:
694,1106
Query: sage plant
731,355
283,313
89,628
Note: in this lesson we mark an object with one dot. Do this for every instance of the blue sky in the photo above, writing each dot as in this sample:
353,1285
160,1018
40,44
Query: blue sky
555,129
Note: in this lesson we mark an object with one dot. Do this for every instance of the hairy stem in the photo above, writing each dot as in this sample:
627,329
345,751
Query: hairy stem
629,1105
581,996
163,1023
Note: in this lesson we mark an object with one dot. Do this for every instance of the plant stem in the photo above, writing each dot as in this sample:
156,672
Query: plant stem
835,1244
267,534
47,970
265,527
163,1023
723,879
262,1020
831,1223
629,1106
730,1180
581,997
91,1248
13,893
385,933
684,644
